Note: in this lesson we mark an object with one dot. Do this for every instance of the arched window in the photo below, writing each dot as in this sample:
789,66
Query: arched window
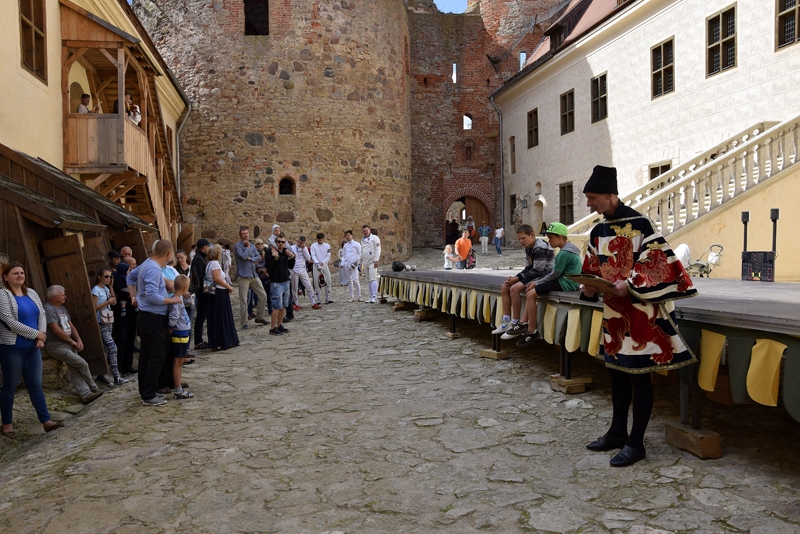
286,187
467,121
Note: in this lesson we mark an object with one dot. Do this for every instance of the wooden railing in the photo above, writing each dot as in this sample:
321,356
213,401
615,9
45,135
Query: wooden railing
92,145
92,142
137,150
657,189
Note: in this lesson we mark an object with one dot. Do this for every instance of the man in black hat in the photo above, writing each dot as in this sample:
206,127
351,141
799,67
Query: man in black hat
198,274
640,331
114,258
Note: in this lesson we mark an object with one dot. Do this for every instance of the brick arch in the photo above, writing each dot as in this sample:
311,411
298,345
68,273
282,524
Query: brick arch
468,192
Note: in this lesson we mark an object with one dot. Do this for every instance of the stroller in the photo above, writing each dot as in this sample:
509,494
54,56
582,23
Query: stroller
699,267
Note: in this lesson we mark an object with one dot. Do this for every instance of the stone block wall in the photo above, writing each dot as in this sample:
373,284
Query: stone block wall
322,101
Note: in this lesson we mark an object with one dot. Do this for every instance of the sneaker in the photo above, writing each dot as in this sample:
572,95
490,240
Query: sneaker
372,300
118,381
503,328
295,307
316,307
183,395
275,332
287,319
95,395
161,395
282,328
329,302
103,380
352,299
244,326
155,401
516,330
528,339
262,321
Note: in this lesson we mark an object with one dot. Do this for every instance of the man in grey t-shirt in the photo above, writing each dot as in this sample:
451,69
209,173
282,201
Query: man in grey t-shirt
64,343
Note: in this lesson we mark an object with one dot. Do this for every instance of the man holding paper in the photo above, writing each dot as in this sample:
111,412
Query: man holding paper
640,331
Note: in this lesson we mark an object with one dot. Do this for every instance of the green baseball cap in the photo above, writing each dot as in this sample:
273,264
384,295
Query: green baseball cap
558,229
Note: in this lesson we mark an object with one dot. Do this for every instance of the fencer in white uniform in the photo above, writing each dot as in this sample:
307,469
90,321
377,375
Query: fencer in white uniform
370,256
321,255
351,256
300,273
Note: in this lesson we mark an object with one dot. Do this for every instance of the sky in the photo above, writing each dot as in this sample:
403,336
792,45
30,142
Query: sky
451,6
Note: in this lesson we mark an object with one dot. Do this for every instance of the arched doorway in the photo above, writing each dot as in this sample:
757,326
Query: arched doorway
463,208
75,92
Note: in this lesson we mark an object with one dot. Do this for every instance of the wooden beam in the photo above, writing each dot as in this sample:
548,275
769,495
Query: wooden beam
65,102
89,44
110,57
97,181
127,187
121,100
75,56
112,185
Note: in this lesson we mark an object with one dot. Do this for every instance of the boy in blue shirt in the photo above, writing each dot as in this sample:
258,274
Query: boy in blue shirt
178,330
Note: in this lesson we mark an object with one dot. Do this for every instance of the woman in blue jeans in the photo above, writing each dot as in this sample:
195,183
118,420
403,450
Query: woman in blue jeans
22,334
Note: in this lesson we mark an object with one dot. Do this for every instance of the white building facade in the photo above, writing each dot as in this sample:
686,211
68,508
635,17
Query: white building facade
650,86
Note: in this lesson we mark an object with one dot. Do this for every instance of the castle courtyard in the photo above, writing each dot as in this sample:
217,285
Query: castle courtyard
361,420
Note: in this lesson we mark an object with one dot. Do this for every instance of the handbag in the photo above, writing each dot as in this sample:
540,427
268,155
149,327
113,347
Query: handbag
209,288
107,314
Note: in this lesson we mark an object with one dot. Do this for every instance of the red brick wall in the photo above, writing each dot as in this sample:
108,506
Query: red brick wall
441,172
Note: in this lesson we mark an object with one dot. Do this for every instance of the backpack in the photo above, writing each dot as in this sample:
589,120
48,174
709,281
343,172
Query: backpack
398,266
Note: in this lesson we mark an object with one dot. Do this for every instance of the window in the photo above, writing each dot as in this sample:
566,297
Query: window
662,65
33,37
455,72
523,58
533,128
169,141
565,203
721,42
512,151
568,112
256,17
599,92
286,187
467,121
469,145
658,170
788,17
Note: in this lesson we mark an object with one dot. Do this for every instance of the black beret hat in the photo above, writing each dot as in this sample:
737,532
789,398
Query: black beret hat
114,254
603,181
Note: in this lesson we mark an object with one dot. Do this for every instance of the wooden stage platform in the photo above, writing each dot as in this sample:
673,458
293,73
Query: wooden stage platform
746,336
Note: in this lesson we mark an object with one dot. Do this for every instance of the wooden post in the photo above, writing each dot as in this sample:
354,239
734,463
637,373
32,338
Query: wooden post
121,101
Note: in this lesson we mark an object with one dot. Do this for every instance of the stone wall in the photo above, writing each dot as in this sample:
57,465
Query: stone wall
322,101
449,162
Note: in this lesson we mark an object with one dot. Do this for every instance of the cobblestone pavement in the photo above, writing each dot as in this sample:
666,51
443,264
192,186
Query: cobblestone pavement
361,420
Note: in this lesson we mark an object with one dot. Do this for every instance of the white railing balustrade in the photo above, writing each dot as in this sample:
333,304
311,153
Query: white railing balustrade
685,193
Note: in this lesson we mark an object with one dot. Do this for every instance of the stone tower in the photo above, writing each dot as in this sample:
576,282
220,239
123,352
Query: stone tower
452,163
300,114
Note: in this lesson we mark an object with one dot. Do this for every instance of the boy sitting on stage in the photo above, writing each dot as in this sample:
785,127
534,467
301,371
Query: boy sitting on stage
540,258
568,261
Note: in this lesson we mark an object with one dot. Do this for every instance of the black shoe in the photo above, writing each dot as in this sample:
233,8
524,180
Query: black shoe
282,328
528,339
275,332
628,456
200,346
103,380
516,329
607,443
287,319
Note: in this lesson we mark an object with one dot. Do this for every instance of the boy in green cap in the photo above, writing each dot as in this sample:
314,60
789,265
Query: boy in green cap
568,261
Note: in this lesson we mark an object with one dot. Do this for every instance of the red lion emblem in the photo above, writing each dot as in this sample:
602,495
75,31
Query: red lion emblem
639,325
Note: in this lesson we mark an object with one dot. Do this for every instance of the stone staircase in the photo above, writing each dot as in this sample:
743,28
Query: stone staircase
686,193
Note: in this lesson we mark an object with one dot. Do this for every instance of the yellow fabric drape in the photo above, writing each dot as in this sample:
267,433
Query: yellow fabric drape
473,304
487,308
596,332
711,347
763,376
549,324
572,340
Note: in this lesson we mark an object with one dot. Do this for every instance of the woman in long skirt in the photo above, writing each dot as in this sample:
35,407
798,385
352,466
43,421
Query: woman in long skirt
221,327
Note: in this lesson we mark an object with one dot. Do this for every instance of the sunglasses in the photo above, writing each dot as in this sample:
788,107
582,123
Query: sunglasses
107,276
280,241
